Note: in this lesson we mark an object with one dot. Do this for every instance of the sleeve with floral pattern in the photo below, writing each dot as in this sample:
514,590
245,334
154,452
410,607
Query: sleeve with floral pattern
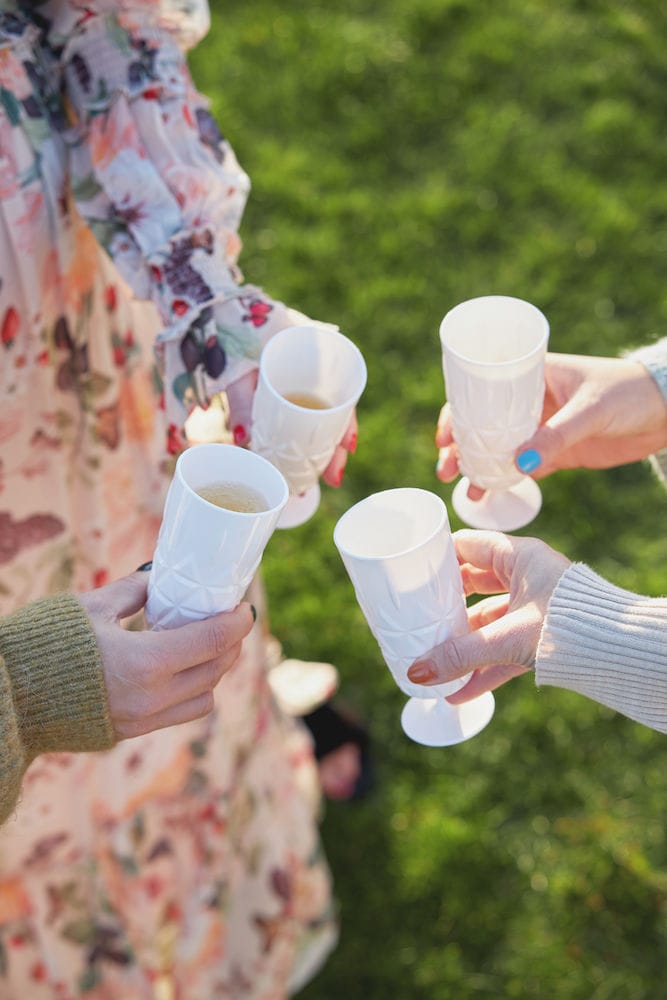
164,194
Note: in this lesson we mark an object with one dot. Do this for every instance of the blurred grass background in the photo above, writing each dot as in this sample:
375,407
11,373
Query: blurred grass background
404,157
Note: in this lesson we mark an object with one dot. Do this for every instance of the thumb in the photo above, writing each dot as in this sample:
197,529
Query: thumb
119,599
501,642
566,428
240,396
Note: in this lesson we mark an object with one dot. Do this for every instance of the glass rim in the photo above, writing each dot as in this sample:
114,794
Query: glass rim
520,358
270,348
443,520
250,456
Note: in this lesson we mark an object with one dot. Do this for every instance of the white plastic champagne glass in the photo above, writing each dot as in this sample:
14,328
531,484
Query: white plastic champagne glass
399,553
493,351
310,380
222,507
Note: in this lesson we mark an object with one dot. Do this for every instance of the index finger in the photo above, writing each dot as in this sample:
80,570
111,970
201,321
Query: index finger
487,611
186,646
240,397
333,474
486,557
349,438
443,433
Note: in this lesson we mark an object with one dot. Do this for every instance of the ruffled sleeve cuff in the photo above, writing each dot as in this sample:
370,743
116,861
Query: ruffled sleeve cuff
607,644
164,194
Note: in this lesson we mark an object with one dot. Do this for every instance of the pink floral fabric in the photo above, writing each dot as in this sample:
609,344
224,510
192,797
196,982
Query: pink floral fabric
185,864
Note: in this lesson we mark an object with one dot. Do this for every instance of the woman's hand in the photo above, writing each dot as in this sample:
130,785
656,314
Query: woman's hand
505,629
598,413
158,679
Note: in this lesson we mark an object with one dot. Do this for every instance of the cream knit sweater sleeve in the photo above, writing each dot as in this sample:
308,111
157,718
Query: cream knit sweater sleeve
608,644
52,693
604,642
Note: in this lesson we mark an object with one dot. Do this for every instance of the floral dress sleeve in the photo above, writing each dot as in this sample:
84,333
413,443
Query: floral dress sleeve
162,190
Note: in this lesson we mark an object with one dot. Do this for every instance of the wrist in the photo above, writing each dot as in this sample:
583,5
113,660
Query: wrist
654,361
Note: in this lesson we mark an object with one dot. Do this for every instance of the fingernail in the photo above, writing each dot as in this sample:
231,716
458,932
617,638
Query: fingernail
420,672
441,460
144,567
339,476
239,434
254,612
352,447
529,460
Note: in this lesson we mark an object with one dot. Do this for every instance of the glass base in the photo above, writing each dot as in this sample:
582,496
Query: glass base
499,510
433,722
300,509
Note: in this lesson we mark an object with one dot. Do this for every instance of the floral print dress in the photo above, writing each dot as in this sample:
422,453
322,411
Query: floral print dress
186,863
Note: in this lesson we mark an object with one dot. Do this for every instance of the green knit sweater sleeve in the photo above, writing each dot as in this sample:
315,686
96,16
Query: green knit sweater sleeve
52,694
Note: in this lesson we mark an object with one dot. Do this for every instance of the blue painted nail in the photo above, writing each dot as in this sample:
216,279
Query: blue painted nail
529,460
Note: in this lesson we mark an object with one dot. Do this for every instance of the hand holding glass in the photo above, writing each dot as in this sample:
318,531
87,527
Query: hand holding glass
493,351
222,507
310,380
398,550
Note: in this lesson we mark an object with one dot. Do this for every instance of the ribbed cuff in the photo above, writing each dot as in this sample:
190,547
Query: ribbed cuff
607,644
659,463
100,62
55,676
654,358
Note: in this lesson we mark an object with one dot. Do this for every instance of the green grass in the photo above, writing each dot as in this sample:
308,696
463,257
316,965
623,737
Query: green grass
404,157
